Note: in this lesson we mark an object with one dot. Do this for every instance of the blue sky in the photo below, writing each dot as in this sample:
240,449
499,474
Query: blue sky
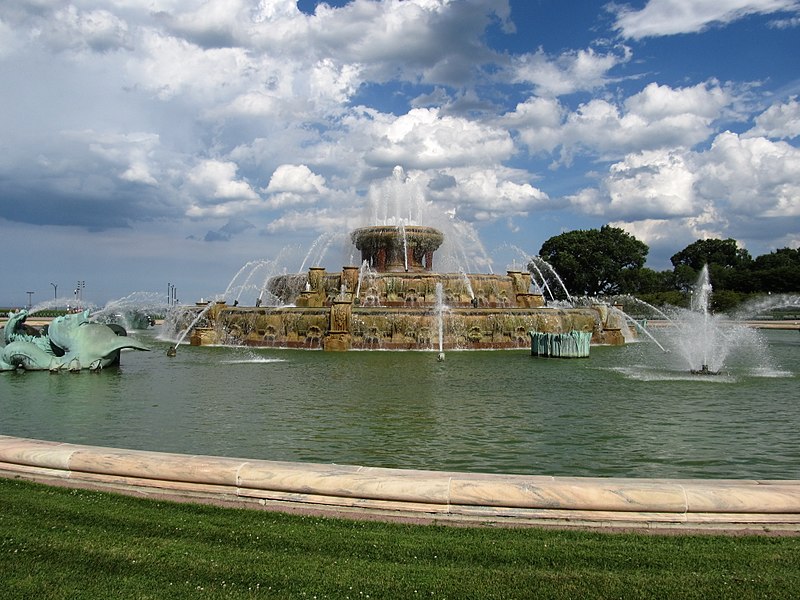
147,142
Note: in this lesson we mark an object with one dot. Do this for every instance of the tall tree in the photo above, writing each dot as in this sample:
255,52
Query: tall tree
596,261
725,253
778,271
725,260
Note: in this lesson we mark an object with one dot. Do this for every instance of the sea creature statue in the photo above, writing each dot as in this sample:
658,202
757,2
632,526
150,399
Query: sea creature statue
70,342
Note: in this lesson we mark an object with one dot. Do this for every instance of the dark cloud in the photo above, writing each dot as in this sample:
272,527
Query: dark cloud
442,181
225,233
47,207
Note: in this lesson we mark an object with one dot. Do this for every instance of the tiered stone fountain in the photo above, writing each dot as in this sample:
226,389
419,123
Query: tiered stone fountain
389,302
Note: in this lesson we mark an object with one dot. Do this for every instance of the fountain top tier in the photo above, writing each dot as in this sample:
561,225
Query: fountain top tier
388,249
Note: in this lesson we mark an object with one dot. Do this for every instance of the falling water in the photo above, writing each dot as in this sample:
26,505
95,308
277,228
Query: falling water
247,265
194,322
638,326
259,265
468,285
56,303
628,299
400,200
439,316
542,278
706,341
405,246
364,269
320,246
137,310
540,261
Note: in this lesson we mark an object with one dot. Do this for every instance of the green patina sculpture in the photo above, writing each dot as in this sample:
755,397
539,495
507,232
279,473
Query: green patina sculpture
70,342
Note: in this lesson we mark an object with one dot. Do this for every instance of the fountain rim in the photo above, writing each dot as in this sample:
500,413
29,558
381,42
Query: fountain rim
419,496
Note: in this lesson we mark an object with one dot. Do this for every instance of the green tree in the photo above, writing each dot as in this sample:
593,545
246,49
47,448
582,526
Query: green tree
725,259
596,261
720,252
648,281
778,271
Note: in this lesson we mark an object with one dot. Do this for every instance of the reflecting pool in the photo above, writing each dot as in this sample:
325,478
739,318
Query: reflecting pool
618,413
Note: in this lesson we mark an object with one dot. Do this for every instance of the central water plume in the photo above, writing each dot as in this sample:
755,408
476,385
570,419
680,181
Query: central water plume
402,200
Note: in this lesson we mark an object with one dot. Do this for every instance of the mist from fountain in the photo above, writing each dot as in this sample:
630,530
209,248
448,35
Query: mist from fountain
59,303
400,200
766,304
137,310
705,342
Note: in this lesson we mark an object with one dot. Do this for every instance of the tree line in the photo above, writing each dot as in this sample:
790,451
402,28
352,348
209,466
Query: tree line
610,261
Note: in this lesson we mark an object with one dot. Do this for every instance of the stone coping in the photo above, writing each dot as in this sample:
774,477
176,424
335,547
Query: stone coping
413,495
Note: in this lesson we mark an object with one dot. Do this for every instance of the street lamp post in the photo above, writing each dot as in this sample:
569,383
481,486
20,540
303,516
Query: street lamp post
30,304
172,294
55,290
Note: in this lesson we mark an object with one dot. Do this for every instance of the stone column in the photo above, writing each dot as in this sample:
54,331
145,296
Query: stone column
338,338
315,277
350,279
521,281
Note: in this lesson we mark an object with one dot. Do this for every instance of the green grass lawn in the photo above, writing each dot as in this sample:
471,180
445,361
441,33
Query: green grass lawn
62,543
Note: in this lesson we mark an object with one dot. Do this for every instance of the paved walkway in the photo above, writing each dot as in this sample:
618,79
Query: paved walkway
752,506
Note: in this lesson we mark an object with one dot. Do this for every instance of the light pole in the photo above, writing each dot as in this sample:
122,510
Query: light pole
172,297
29,299
55,290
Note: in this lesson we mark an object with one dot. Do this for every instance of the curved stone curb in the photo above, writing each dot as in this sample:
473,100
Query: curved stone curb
765,505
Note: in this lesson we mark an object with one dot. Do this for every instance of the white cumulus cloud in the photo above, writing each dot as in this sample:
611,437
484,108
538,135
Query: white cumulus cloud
779,121
581,70
670,17
424,139
659,116
215,190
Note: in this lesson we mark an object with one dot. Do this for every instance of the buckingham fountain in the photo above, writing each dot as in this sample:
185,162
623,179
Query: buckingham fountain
395,299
